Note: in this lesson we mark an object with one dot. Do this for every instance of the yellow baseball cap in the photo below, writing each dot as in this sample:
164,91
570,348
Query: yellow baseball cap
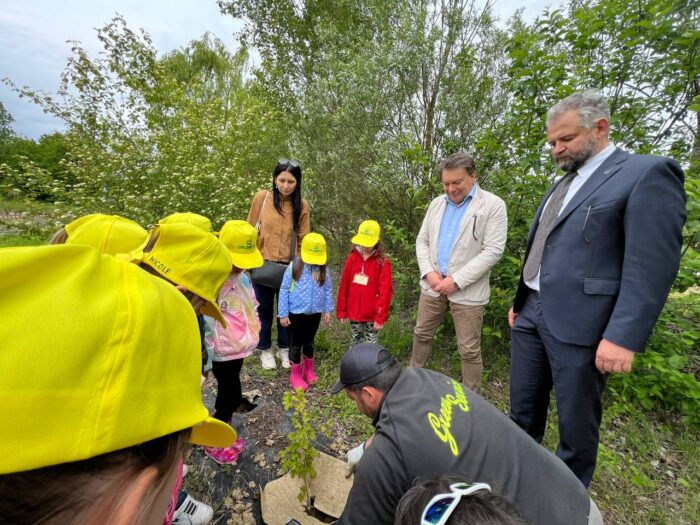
367,234
240,238
191,257
97,355
110,234
313,249
188,218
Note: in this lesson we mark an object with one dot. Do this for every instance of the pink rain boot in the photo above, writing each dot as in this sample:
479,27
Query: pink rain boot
309,375
295,378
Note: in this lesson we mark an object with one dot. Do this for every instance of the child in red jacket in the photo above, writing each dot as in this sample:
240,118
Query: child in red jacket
365,289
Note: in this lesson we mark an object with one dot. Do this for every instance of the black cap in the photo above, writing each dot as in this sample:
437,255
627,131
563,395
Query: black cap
360,363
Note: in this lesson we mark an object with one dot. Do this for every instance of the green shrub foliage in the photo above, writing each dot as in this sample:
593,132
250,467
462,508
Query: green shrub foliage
369,95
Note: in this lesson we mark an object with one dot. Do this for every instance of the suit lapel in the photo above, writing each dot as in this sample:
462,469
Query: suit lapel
607,169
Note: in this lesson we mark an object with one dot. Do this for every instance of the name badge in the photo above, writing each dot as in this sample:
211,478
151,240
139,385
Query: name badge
361,279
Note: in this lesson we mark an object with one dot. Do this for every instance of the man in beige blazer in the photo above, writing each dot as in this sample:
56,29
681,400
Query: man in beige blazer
462,237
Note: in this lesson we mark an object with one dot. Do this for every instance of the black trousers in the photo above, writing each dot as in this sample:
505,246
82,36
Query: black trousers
229,392
302,329
540,361
267,299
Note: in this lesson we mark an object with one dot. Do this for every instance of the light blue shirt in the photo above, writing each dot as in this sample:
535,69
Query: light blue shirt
305,296
449,228
584,173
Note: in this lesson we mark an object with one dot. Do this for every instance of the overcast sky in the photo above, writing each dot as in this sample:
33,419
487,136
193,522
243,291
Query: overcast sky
33,35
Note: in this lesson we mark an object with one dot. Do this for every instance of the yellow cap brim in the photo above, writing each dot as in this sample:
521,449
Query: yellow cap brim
212,310
212,433
314,259
364,240
247,261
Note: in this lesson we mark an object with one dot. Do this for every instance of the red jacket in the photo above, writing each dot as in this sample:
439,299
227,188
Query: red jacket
365,303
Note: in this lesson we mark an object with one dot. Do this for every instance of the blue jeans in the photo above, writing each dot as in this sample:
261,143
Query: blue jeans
267,297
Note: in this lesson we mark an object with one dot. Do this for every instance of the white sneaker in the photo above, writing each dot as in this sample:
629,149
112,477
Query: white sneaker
192,512
267,358
283,354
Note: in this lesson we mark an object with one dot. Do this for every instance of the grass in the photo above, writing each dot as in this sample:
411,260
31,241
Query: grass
648,462
21,240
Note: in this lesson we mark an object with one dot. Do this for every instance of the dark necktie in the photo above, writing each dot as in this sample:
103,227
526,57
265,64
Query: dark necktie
547,220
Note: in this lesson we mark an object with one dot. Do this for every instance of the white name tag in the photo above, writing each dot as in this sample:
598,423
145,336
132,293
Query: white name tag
361,279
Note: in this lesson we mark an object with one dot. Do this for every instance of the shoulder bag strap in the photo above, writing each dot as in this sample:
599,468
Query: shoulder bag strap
257,224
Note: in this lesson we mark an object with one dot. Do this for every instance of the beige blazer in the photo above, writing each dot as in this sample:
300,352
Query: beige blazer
478,247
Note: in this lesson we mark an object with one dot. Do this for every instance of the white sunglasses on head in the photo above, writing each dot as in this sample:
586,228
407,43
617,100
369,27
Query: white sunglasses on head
440,508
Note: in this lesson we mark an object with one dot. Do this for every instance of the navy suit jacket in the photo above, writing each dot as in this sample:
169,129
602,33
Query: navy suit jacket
612,256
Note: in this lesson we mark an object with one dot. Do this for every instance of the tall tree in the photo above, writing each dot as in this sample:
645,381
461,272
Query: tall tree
6,121
149,135
376,93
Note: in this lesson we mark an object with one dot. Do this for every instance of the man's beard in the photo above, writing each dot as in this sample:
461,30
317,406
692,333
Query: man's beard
573,161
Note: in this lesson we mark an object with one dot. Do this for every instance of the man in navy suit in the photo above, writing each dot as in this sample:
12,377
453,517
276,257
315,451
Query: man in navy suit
602,254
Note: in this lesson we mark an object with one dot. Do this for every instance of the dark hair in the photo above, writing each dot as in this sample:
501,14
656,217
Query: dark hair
298,270
296,195
480,508
459,160
74,492
384,379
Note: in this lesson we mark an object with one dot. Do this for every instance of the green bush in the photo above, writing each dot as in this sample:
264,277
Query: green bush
665,375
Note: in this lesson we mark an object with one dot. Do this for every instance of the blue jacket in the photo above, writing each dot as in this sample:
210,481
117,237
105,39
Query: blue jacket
613,253
305,296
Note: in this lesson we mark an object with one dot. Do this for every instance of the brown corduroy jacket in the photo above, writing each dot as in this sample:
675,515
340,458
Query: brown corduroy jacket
275,232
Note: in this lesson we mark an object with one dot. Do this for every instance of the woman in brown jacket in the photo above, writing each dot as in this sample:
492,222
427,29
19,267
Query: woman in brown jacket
282,218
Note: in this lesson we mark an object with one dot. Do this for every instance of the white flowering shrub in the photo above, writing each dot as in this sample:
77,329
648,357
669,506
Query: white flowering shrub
151,135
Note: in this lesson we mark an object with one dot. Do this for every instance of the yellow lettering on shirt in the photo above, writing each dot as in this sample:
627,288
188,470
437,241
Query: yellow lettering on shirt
442,422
